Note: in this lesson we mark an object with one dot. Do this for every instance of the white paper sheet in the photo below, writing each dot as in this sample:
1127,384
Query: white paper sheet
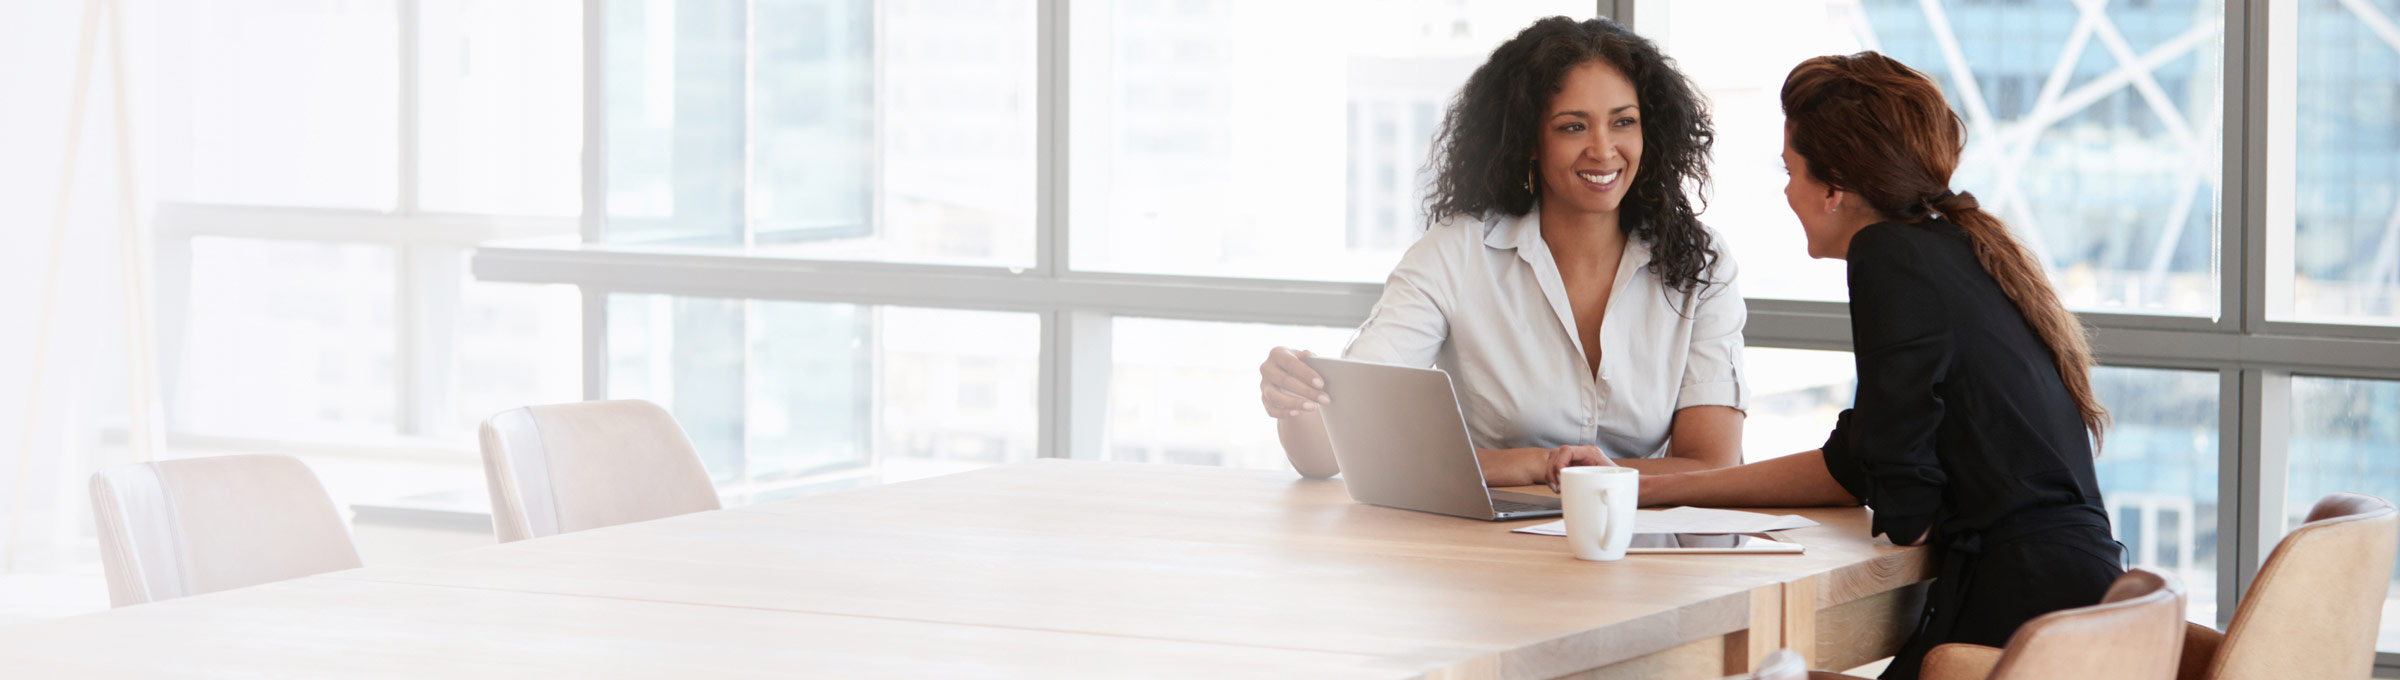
1692,521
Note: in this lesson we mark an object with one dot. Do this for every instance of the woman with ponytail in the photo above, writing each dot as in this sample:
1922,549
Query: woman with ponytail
1974,425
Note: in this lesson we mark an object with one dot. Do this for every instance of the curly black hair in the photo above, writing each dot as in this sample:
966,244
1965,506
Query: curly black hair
1488,138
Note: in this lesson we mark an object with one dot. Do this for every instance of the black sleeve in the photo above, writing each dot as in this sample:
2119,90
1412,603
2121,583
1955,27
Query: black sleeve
1840,462
1902,337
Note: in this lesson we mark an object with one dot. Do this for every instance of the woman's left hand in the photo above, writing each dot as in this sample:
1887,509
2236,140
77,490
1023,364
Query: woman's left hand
1565,457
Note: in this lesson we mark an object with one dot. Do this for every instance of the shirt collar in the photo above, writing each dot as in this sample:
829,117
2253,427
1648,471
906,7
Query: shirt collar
1515,231
1523,232
1637,254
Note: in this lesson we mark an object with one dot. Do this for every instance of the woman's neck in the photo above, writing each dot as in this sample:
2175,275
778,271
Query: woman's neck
1849,230
1568,230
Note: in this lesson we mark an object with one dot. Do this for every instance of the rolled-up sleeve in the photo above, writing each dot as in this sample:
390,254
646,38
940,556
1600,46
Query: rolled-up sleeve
1712,369
1407,325
1883,449
1838,460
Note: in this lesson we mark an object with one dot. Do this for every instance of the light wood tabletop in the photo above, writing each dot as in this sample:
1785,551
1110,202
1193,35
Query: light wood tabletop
1046,568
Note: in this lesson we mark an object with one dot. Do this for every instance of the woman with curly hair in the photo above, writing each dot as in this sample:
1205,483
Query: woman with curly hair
1565,281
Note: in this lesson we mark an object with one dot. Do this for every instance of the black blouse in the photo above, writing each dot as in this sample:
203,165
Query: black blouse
1961,421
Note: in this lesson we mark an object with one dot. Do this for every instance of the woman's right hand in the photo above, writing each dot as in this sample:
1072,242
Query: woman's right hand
1287,386
1564,457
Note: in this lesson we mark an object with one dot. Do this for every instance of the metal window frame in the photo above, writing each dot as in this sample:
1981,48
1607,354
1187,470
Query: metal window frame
427,247
593,223
428,259
2253,355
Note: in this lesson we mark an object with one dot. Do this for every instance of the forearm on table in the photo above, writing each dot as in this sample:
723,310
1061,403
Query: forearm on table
1665,465
1514,467
1797,480
1306,446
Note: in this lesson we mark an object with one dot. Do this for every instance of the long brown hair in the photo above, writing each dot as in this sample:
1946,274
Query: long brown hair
1870,125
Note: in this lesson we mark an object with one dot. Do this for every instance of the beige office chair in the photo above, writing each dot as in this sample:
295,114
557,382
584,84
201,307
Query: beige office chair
2314,609
1784,664
586,465
185,527
2135,633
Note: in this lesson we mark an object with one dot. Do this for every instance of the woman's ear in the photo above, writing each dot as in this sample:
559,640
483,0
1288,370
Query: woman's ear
1834,200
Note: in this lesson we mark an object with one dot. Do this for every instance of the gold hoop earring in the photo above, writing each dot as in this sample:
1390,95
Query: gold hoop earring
1529,181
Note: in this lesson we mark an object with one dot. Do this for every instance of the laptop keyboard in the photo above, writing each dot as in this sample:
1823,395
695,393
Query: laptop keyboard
1513,506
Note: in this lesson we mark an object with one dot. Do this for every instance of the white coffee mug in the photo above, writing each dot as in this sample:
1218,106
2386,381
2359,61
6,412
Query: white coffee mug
1599,502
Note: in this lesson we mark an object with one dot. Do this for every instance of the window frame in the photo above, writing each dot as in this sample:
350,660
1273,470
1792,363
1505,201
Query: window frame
2254,357
428,249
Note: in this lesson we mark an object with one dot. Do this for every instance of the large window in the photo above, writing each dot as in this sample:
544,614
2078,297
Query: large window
497,107
842,129
2158,474
1187,391
329,359
2093,131
2342,175
302,186
846,148
1263,138
261,127
2344,437
1795,396
788,397
320,173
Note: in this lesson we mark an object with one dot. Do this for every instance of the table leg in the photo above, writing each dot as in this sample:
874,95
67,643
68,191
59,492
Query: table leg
1800,617
1853,633
1745,649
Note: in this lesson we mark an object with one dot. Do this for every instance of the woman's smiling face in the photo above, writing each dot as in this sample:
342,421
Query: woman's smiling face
1591,143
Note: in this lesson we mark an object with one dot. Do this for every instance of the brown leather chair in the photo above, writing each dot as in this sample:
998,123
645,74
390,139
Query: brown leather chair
2133,634
2314,608
570,467
184,527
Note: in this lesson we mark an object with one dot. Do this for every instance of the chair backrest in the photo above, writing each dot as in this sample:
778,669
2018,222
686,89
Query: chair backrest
1784,664
2314,609
2135,633
586,465
185,527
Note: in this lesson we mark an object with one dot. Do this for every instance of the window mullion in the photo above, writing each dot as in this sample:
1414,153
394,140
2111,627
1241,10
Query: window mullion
411,364
2265,451
1050,138
431,279
594,214
2245,204
1077,360
595,341
595,131
405,199
2232,404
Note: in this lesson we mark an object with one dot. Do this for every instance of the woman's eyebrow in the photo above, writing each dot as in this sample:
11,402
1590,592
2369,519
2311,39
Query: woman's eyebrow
1581,114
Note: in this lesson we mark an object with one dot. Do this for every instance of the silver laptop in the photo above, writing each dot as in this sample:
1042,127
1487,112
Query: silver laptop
1401,441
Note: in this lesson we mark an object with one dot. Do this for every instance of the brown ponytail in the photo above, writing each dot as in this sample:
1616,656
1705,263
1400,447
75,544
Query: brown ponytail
1872,126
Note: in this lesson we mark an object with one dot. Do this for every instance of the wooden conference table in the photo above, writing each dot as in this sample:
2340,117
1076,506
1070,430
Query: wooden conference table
1049,568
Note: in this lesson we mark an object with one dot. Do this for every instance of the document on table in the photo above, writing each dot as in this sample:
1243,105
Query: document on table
1692,521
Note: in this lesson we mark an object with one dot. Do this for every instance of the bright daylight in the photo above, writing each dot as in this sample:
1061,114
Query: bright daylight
1775,339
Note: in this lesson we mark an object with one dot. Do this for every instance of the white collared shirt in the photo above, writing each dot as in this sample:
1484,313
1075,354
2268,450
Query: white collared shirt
1483,300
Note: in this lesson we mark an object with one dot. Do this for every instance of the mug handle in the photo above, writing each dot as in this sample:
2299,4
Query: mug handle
1605,509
